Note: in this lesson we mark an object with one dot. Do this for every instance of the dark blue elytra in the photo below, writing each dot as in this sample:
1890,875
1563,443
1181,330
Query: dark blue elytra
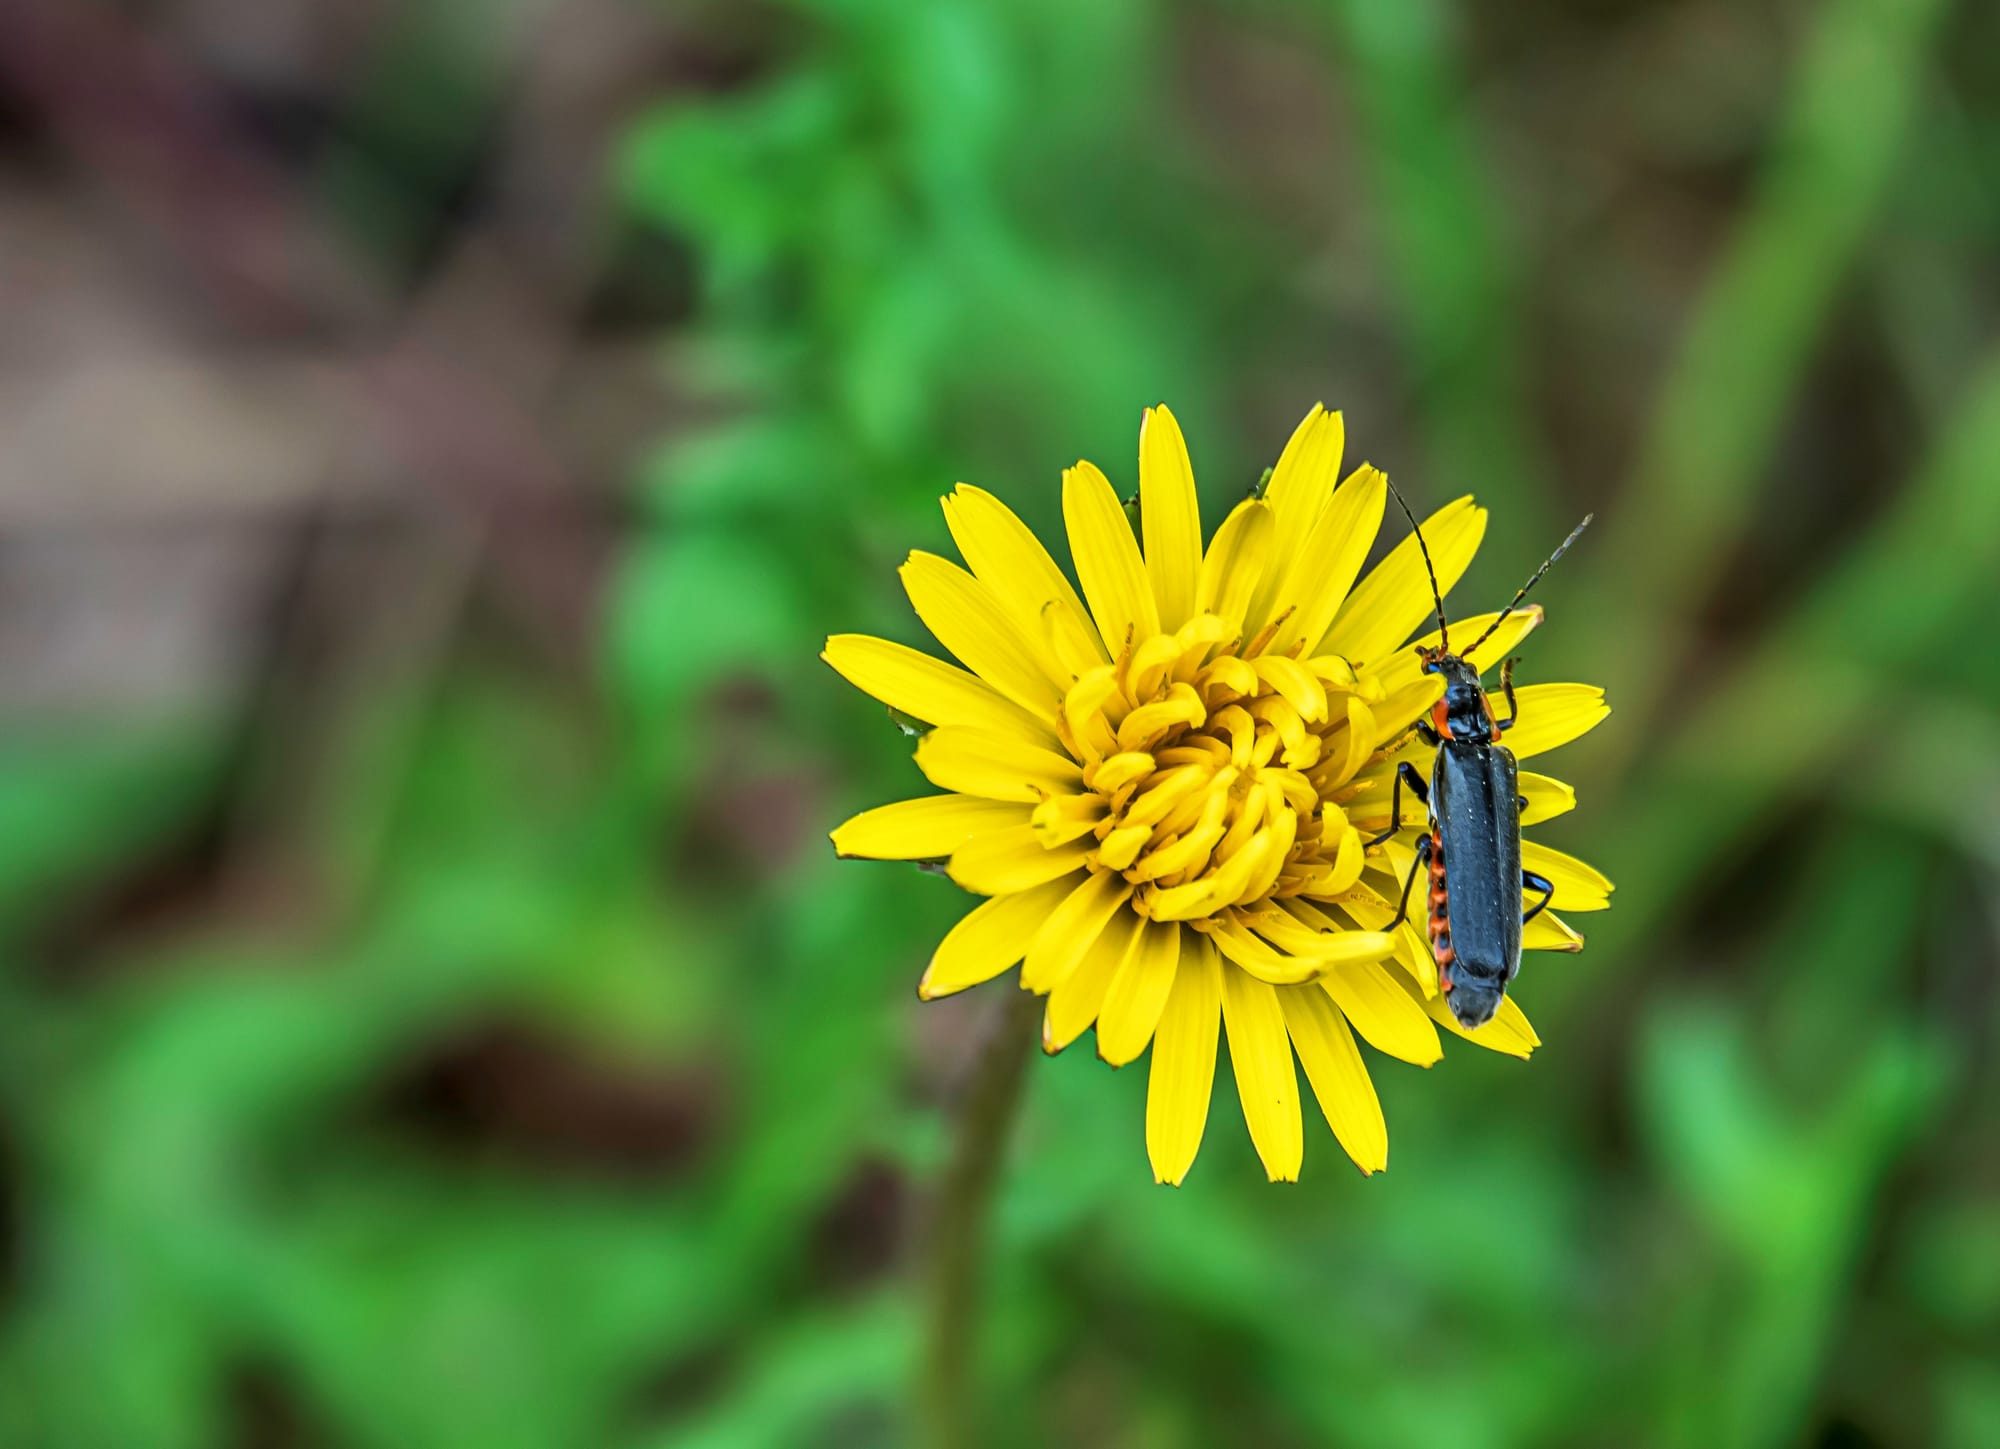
1476,802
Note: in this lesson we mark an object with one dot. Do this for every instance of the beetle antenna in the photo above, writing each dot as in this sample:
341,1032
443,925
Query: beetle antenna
1547,564
1444,639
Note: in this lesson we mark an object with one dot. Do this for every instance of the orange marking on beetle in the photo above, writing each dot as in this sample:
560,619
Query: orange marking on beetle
1440,720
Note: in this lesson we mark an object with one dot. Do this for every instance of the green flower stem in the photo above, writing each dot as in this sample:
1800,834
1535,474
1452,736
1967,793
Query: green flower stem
958,1223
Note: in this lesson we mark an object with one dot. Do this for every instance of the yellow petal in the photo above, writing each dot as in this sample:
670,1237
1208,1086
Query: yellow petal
1252,956
1235,562
1508,1032
1362,732
1196,898
1418,961
1144,725
1579,887
1138,993
1115,772
1397,860
1307,469
1071,929
1157,801
1074,1002
1004,861
1326,563
1296,684
988,940
1183,1066
1552,715
1406,706
929,689
923,829
1340,674
1328,947
1383,1013
1300,486
1546,798
1083,712
1229,678
1370,810
1007,557
1107,560
1403,665
1349,857
1261,1052
1169,516
1122,846
1550,932
1510,1022
1488,653
1394,599
967,619
1339,1079
1364,906
1062,818
997,767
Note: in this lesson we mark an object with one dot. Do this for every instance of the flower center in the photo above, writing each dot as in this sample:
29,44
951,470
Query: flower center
1211,772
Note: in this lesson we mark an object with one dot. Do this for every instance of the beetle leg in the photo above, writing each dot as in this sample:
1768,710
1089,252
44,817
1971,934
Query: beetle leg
1532,882
1423,859
1405,773
1501,726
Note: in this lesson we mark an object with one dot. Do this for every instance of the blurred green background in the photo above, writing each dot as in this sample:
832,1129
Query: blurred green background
434,440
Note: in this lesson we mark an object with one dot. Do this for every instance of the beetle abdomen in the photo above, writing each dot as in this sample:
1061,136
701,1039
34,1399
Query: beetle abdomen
1440,923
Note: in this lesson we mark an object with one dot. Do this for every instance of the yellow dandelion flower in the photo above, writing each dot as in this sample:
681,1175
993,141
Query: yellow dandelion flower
1167,786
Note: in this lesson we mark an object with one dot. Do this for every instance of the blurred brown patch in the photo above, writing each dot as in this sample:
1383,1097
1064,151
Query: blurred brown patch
266,1410
755,805
860,1235
515,1091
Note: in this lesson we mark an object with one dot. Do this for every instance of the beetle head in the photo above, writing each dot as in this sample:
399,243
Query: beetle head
1461,680
1458,675
1461,713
